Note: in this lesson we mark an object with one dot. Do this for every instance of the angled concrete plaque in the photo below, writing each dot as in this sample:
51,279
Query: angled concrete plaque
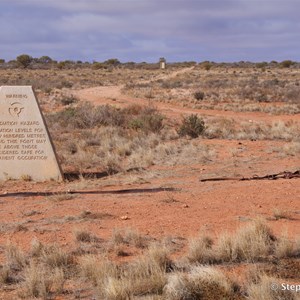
26,149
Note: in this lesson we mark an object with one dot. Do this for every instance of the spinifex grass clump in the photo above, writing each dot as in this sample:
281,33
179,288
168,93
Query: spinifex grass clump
201,274
252,243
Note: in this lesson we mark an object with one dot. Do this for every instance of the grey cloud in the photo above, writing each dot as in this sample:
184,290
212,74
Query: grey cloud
147,29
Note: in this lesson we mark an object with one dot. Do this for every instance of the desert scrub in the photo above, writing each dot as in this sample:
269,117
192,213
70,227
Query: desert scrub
260,289
87,116
200,282
152,274
110,149
15,257
39,281
128,236
146,275
199,95
230,129
251,243
192,126
82,235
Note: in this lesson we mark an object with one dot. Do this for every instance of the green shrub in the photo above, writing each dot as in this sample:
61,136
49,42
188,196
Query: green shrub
112,62
286,63
261,65
206,65
192,126
199,95
136,124
61,65
24,60
98,65
45,59
69,100
152,119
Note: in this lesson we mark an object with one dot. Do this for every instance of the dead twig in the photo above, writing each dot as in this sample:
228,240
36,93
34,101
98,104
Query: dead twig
281,175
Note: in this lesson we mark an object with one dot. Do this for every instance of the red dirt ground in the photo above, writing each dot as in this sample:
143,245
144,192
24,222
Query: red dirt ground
191,207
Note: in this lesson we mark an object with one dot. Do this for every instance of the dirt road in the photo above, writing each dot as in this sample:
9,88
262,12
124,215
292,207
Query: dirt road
113,95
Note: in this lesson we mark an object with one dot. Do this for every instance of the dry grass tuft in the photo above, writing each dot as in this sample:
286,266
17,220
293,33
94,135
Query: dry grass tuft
115,289
54,256
292,148
202,282
5,274
128,236
147,275
37,248
15,257
97,269
251,243
200,250
40,281
285,247
82,235
268,288
60,197
281,214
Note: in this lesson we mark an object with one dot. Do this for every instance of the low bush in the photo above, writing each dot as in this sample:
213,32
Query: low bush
69,100
202,282
268,288
192,126
199,95
47,272
86,116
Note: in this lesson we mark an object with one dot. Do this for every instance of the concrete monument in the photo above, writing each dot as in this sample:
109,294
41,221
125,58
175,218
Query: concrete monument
162,63
26,149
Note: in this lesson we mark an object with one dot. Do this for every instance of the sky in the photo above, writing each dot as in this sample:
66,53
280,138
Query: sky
145,30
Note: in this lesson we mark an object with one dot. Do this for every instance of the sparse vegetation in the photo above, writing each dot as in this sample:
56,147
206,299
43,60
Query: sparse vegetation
281,214
201,282
252,243
192,126
24,60
127,154
46,269
83,236
199,95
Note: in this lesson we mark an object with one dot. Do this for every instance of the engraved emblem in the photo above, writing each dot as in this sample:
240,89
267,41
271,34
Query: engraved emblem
15,109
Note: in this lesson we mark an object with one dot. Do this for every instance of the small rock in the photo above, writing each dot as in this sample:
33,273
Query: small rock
185,206
124,217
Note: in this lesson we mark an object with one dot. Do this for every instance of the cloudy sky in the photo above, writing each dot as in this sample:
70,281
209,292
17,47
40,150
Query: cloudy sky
144,30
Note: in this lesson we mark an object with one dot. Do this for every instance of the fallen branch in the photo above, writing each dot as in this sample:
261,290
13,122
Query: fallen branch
281,175
125,191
